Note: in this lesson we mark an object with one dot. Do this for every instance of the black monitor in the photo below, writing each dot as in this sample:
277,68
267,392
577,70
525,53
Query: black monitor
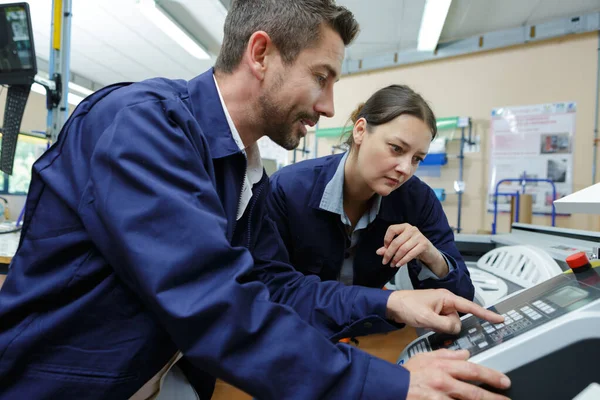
17,53
17,70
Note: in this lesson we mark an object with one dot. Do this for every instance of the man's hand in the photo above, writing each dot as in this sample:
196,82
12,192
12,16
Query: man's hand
441,374
435,309
403,243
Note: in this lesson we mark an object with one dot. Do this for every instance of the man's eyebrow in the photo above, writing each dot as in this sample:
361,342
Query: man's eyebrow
331,71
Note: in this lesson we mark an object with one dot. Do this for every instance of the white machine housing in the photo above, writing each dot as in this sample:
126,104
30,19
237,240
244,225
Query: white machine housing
551,329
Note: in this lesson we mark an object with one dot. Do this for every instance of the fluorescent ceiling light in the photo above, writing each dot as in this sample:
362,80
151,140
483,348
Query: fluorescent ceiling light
36,87
432,23
80,89
72,99
164,22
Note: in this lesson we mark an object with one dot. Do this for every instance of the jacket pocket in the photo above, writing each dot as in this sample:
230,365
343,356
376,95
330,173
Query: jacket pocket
84,375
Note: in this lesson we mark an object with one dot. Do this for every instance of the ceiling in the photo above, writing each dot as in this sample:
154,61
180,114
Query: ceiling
111,40
392,26
473,17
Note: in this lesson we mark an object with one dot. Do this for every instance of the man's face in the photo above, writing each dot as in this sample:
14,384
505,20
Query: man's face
296,95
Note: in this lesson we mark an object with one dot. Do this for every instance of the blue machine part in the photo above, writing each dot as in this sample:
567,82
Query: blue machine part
435,159
440,194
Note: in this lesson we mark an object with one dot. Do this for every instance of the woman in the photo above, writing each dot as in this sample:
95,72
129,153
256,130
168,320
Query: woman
356,217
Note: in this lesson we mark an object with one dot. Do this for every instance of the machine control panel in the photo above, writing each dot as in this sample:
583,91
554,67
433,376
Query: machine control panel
522,313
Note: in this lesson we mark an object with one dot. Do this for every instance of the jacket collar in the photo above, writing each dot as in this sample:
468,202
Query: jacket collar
327,171
208,112
326,174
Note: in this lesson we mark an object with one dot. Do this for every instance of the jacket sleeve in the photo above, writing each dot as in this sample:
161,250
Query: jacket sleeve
152,211
335,309
277,211
434,225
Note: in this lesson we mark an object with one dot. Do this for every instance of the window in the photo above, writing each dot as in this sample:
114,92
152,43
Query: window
29,149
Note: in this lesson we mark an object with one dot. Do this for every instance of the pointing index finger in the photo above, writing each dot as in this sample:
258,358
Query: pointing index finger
466,306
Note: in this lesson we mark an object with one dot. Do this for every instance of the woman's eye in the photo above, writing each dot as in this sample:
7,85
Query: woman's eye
396,149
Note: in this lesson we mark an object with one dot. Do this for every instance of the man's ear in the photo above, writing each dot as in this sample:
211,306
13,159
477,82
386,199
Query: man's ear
259,53
359,131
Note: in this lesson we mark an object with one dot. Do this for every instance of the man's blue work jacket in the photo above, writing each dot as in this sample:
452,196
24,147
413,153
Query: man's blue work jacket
130,251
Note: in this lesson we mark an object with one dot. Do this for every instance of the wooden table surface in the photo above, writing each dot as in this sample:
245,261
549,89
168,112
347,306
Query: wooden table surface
386,346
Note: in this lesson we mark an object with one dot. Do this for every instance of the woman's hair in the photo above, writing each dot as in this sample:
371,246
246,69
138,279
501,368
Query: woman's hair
390,102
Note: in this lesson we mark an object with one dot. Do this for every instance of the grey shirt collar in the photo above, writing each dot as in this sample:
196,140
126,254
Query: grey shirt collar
333,198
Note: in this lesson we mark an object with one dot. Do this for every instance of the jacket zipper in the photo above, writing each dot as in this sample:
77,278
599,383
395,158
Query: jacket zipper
257,195
239,205
347,243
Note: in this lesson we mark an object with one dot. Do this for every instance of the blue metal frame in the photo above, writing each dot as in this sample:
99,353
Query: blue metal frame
440,194
59,63
523,183
461,159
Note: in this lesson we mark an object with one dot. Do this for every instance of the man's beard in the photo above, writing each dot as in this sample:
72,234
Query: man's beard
277,125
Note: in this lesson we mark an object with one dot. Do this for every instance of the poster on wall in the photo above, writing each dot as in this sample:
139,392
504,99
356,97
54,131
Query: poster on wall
532,142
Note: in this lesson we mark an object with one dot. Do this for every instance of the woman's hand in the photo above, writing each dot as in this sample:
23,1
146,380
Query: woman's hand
404,242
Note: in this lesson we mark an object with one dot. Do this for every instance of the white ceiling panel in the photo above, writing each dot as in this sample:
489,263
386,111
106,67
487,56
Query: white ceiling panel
144,51
550,9
113,41
123,32
474,17
199,12
391,26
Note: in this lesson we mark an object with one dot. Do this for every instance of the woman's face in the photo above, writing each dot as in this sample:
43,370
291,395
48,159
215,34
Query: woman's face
389,154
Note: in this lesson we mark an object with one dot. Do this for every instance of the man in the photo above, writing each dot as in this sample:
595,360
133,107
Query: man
146,248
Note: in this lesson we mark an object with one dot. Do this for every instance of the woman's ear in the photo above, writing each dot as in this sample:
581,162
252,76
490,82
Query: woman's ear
359,131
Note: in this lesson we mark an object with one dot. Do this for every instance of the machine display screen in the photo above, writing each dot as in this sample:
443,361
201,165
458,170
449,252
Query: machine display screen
567,295
522,312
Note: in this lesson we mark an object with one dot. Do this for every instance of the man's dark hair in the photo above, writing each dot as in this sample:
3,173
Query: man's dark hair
292,25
